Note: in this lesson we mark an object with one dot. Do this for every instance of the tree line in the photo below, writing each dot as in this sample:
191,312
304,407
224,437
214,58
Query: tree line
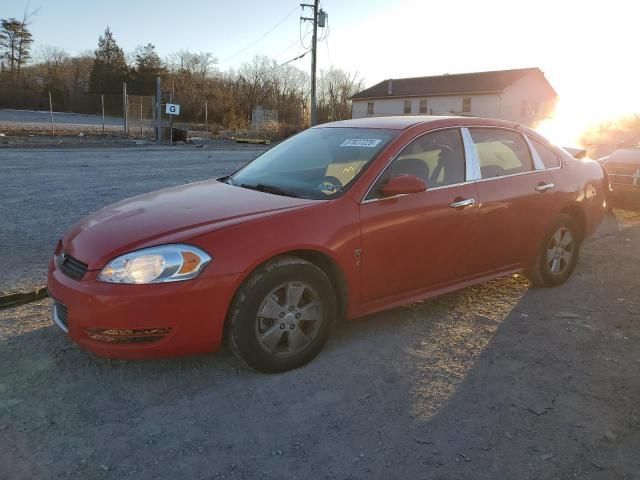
76,82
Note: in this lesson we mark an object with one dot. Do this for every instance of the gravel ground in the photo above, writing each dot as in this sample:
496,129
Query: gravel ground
11,116
44,191
495,381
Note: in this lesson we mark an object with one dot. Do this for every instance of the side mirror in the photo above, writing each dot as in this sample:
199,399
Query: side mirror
403,184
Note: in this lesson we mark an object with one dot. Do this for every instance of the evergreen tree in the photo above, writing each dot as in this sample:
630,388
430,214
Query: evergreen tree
148,67
15,42
109,66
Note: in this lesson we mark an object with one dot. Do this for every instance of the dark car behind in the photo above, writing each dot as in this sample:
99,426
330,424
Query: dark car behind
623,168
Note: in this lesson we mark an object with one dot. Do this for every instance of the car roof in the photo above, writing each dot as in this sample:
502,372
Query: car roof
402,122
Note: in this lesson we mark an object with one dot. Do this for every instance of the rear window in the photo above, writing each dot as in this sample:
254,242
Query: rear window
549,158
501,152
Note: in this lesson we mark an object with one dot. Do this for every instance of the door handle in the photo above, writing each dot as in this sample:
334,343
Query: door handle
543,187
467,202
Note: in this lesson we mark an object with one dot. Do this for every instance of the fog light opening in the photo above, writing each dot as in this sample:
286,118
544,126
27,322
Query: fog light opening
127,335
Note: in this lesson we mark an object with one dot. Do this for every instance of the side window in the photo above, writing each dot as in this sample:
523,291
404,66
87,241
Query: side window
437,158
548,156
501,152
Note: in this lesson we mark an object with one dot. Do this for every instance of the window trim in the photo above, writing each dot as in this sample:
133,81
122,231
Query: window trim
404,107
536,165
472,164
532,146
364,199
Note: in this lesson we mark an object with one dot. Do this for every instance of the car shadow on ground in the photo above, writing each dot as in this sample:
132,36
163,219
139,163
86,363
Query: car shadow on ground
494,381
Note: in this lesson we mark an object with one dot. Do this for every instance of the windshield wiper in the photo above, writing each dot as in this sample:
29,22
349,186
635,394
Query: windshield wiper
261,187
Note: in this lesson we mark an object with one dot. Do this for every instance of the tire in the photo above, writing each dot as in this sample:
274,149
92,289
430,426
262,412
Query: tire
558,253
268,328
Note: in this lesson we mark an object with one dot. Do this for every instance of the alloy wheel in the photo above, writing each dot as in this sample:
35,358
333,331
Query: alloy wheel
288,318
560,251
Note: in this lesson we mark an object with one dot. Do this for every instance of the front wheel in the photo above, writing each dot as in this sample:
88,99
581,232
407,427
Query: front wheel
281,317
558,253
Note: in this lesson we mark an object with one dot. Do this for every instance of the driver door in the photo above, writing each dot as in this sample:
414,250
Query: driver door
422,241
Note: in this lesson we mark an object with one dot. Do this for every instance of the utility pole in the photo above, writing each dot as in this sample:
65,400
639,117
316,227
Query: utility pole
158,112
125,108
318,19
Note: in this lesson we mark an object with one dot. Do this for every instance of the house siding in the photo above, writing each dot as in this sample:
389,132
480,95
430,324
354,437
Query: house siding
531,90
506,105
481,106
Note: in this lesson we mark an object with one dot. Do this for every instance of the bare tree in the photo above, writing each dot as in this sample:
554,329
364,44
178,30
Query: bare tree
336,87
255,80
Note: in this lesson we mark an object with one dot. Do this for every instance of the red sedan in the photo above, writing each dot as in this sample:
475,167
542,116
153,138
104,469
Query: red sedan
340,221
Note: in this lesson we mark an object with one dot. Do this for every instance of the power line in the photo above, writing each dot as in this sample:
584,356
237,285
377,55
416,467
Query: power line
289,61
302,37
264,35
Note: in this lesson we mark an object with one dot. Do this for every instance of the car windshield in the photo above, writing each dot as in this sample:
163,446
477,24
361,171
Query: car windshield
318,163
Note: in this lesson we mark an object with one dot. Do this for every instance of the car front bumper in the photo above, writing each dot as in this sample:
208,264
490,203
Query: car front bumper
141,321
623,195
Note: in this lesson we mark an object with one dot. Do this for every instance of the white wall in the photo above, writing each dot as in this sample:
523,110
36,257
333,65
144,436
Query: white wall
532,90
481,106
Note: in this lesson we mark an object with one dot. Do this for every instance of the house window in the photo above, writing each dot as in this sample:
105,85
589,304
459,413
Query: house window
466,105
423,105
407,106
370,108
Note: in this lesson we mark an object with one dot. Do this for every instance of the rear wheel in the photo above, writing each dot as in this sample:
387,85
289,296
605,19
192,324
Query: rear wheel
282,316
558,253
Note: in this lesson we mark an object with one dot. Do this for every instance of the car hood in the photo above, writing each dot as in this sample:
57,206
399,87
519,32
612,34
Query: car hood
627,157
168,216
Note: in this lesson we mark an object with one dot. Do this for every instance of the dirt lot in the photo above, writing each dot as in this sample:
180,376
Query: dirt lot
496,381
43,191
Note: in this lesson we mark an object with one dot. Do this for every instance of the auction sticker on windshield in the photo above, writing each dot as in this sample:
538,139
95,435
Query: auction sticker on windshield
361,142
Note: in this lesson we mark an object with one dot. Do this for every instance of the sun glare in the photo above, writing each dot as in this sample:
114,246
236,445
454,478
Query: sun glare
583,107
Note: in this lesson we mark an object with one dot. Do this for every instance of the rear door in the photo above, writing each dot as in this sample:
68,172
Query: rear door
516,195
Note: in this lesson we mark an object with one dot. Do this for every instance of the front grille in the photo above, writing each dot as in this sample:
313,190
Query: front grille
61,313
621,169
72,267
624,174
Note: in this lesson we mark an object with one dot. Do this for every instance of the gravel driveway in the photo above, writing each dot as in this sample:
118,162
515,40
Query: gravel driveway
10,116
44,191
496,381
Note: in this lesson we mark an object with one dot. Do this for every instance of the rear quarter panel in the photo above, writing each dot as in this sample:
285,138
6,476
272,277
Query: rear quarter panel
582,183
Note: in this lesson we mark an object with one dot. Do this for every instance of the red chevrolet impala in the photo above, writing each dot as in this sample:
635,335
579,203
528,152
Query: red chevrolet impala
342,220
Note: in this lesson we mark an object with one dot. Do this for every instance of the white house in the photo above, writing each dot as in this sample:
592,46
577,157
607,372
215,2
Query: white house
523,95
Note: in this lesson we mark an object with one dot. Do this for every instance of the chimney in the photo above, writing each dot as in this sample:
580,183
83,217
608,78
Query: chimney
390,89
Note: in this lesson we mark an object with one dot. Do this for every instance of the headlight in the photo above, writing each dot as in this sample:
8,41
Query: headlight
168,263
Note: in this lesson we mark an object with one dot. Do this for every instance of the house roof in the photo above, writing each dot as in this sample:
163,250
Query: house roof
456,84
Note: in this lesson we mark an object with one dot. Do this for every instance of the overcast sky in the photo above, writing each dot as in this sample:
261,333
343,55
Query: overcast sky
588,49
